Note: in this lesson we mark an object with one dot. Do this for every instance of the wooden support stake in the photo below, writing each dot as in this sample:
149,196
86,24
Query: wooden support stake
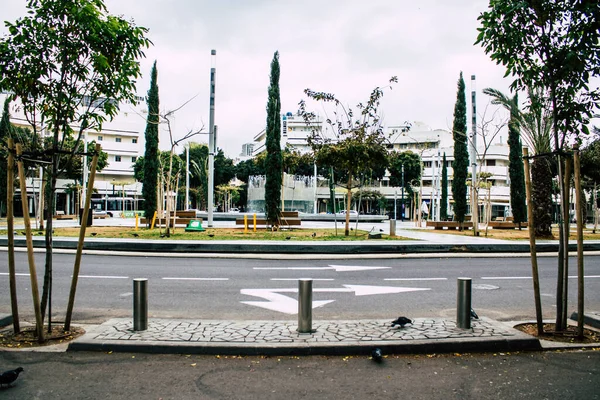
10,223
531,229
84,218
32,271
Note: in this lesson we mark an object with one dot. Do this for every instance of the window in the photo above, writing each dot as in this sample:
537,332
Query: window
118,140
490,163
426,164
99,138
134,140
133,159
118,158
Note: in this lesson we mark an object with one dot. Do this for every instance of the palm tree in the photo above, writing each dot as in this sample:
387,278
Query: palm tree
536,127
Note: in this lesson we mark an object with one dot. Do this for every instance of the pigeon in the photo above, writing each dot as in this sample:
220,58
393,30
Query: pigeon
94,233
288,237
136,234
9,377
211,235
401,321
381,230
23,233
376,355
314,234
474,314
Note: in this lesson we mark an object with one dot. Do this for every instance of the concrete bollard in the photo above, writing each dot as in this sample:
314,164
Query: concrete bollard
392,227
305,306
140,304
463,303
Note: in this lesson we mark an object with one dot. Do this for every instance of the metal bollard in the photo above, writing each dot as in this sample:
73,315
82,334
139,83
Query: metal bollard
305,306
463,303
392,227
140,304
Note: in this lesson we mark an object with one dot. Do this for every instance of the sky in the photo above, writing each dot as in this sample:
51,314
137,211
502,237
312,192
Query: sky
345,47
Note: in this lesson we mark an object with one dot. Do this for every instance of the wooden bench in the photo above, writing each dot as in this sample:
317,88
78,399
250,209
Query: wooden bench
440,225
506,225
288,218
64,216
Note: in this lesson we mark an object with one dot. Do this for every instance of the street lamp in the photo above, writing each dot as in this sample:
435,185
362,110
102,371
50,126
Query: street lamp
402,208
211,138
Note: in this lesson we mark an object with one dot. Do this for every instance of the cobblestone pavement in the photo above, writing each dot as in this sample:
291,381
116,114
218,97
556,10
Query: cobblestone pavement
286,332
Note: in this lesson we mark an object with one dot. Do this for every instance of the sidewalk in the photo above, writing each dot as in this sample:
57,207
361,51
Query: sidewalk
277,338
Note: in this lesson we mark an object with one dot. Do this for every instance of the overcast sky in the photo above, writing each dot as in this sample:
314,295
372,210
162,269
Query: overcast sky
346,47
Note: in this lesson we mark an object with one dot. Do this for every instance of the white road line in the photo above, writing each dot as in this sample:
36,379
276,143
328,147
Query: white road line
585,276
504,277
415,279
17,274
102,277
297,279
195,279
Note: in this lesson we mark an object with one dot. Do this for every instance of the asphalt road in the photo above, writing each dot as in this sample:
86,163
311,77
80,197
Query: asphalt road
547,375
266,289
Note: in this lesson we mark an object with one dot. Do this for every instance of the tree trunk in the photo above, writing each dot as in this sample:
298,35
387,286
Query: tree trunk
348,205
11,237
541,193
580,225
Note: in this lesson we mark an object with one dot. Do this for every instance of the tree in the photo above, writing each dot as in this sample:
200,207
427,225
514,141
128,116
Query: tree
5,133
69,64
444,197
515,161
151,165
550,44
461,156
274,162
554,45
590,170
359,145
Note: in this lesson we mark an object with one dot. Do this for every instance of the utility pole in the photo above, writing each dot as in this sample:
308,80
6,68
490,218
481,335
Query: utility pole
211,138
187,176
402,208
474,200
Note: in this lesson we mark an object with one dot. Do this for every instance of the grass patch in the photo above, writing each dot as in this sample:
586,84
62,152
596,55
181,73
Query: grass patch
120,232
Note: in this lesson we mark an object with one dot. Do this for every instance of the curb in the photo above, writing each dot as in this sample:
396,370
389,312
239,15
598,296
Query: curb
5,319
278,247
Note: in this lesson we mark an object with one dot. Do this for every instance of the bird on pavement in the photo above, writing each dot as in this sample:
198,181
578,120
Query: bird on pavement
380,230
474,314
9,377
401,321
376,355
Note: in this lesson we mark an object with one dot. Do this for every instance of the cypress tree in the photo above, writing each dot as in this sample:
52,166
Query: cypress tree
274,159
515,167
444,199
5,129
151,164
461,156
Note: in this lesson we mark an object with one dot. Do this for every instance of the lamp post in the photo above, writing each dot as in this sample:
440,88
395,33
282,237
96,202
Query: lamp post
211,138
402,201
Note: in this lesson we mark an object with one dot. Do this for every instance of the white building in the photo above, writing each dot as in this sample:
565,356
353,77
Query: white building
122,139
430,145
294,133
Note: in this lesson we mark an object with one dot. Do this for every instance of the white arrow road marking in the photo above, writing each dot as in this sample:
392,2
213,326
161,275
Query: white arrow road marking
288,305
337,268
277,302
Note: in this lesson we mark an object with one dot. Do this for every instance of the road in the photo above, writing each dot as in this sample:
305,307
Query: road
266,289
547,375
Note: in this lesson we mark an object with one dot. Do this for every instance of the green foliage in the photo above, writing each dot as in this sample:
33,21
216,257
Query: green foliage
151,160
461,156
296,163
274,162
359,145
73,168
550,44
444,197
541,198
5,133
412,170
515,166
590,161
